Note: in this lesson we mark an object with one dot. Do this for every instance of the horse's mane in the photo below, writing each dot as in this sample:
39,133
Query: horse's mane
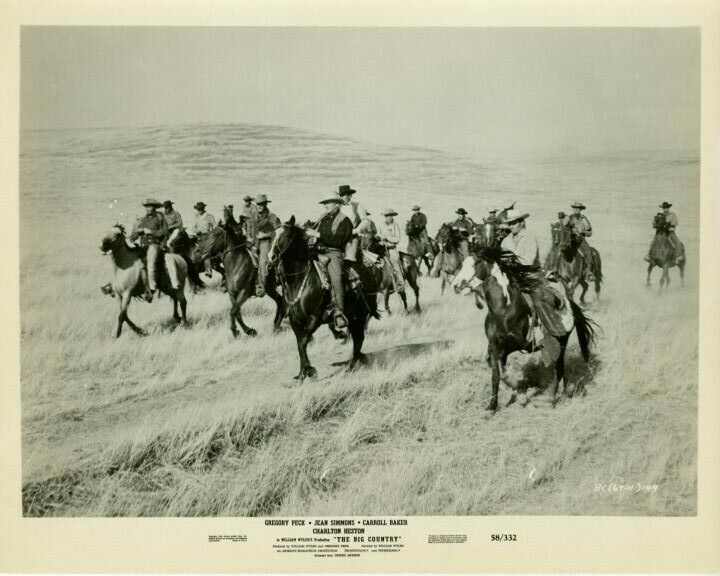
522,275
213,242
121,228
453,237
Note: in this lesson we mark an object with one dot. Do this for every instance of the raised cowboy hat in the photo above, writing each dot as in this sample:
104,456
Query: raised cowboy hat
332,200
509,205
515,216
665,205
261,199
345,190
461,211
415,208
200,206
247,198
168,203
152,202
579,205
390,212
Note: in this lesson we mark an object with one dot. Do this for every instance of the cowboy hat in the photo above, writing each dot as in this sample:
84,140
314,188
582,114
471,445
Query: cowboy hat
168,203
332,199
247,198
461,211
152,202
579,205
390,212
509,204
261,199
515,215
492,209
345,190
665,205
200,206
561,214
415,208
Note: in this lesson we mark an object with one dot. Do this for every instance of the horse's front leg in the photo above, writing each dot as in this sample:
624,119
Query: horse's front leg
242,297
649,270
443,281
306,370
233,313
124,304
403,297
271,290
386,295
183,305
495,364
176,316
357,331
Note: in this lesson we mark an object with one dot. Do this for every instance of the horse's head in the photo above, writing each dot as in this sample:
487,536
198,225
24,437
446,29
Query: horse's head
115,234
290,242
467,276
376,247
564,235
209,245
410,229
228,216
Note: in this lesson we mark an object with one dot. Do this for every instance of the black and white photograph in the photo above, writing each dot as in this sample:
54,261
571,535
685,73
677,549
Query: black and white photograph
340,271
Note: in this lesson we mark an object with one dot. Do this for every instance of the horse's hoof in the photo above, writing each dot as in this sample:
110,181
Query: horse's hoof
142,333
310,372
251,332
492,406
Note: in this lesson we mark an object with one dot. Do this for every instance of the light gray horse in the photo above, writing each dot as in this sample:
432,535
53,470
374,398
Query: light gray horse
128,277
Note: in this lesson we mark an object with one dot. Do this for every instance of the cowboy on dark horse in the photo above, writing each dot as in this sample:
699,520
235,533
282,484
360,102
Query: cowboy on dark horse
667,221
581,228
556,229
542,300
333,232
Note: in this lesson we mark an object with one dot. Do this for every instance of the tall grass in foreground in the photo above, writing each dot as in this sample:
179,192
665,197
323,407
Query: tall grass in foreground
409,434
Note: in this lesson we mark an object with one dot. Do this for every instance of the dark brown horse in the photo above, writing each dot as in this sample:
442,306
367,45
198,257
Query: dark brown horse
128,277
573,268
207,248
410,274
241,273
448,260
508,318
179,242
420,246
308,303
662,255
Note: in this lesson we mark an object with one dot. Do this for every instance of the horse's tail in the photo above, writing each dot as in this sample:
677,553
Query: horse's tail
585,328
598,265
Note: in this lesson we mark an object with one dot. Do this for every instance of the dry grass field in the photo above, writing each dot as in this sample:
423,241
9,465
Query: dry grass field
191,422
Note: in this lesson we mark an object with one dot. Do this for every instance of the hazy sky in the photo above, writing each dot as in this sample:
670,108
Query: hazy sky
466,89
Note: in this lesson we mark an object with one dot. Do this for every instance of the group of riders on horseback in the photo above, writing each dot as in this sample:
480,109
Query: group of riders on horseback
331,269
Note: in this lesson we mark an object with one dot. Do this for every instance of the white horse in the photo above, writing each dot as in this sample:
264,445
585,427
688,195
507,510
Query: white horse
128,277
